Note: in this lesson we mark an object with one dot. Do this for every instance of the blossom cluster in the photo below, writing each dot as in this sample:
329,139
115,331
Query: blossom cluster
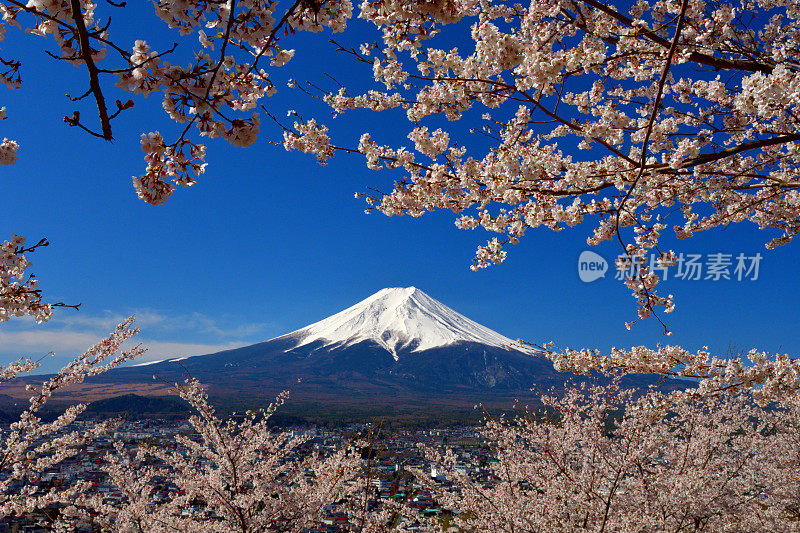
640,117
167,166
654,115
240,467
19,293
605,460
8,152
214,95
31,445
764,377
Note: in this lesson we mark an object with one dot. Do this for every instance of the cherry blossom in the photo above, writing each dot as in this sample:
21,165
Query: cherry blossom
599,459
251,477
31,445
639,118
767,378
19,292
642,118
658,115
213,95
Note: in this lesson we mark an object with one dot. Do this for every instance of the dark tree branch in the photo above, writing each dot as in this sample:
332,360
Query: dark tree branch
656,105
772,141
94,81
81,97
696,57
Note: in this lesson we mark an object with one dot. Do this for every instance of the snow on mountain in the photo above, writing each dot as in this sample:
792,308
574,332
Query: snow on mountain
396,318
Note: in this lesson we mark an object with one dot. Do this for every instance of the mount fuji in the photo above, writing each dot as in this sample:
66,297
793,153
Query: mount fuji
398,339
398,347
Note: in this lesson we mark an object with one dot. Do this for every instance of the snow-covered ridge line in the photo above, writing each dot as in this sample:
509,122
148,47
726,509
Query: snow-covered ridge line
395,318
171,360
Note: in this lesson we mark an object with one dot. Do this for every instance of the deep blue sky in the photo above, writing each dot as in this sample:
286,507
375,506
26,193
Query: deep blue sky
268,241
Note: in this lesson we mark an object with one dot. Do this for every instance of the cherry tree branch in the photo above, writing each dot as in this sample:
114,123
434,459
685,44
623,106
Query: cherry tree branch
94,82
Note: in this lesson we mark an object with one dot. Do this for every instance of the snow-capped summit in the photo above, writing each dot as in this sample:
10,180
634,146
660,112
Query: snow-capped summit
398,318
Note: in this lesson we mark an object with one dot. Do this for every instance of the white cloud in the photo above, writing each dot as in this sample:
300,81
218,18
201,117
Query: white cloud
155,322
107,321
33,343
67,344
164,336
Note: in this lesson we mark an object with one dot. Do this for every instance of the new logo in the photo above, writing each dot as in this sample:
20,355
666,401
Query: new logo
591,266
